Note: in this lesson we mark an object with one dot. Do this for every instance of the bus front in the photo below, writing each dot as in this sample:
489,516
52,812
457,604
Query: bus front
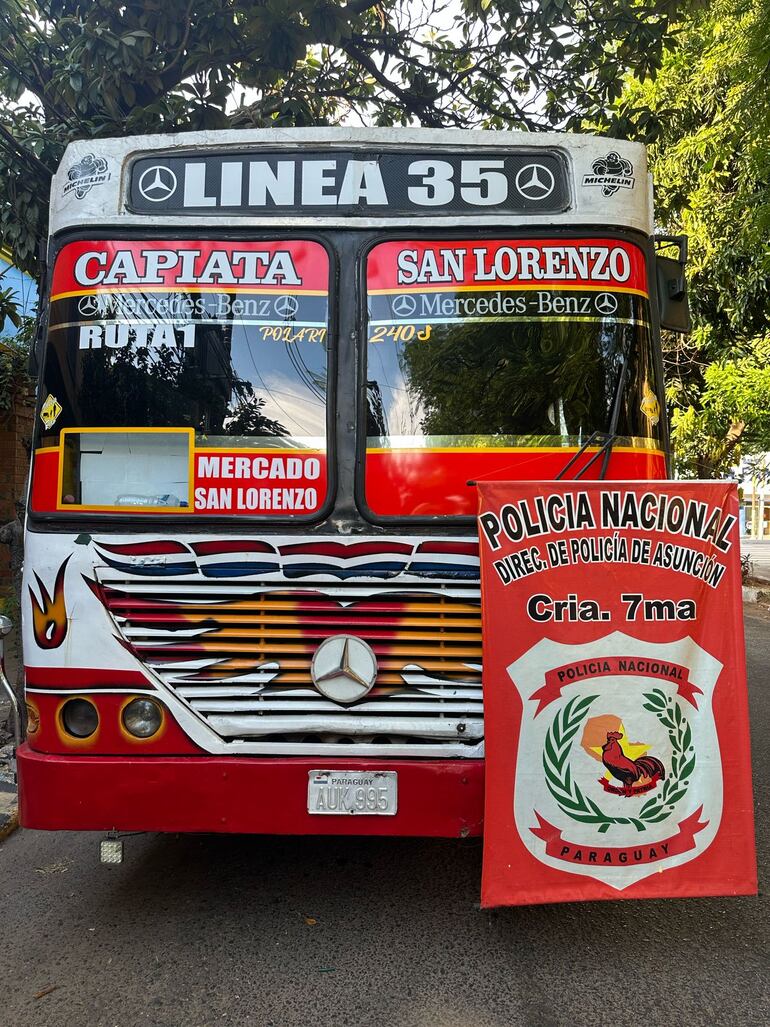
273,365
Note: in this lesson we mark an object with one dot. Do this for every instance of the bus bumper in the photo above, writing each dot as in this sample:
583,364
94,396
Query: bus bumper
240,795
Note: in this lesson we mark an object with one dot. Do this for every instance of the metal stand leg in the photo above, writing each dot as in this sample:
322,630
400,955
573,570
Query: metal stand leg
5,686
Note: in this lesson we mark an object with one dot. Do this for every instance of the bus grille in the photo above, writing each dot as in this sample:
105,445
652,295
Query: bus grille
238,654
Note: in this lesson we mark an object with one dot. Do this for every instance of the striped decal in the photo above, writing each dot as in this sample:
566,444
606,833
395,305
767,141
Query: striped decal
290,561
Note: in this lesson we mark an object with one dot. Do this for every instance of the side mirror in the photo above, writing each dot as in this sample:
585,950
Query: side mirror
673,307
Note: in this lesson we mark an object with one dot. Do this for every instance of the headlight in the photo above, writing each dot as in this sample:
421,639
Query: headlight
79,718
142,717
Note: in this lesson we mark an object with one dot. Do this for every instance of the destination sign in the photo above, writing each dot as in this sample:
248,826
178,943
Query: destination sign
127,294
356,184
411,283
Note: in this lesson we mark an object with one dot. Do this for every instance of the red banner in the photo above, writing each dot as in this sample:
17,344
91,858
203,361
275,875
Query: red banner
616,715
189,264
592,263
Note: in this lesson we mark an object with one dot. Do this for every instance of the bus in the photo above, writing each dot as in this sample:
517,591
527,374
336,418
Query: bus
271,366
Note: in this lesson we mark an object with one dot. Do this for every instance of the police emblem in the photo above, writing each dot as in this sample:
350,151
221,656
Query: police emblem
639,713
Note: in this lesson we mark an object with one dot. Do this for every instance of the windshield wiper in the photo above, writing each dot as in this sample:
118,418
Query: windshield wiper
605,440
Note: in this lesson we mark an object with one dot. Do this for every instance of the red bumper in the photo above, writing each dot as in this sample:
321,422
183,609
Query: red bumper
437,798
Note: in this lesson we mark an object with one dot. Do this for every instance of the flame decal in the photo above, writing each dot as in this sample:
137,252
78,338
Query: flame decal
49,617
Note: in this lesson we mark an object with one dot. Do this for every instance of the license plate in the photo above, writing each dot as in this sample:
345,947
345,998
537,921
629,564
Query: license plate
367,793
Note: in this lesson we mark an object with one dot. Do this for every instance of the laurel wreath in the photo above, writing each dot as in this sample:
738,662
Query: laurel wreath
576,804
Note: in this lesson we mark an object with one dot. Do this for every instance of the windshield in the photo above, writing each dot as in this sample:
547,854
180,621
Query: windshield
186,375
497,358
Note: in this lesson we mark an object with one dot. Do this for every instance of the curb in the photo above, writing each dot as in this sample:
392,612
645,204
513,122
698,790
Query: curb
756,594
10,825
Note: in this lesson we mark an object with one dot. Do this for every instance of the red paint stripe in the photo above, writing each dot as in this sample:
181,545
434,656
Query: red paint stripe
84,677
236,546
225,625
457,548
340,549
156,548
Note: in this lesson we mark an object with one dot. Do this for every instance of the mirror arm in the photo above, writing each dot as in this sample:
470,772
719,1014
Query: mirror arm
680,241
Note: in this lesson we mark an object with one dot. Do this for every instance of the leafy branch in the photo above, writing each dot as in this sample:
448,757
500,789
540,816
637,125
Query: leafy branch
669,713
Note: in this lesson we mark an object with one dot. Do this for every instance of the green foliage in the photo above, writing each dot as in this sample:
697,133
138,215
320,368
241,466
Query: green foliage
707,115
87,70
8,307
14,356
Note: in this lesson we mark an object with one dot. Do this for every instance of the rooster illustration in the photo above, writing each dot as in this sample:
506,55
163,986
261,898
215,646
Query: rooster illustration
626,770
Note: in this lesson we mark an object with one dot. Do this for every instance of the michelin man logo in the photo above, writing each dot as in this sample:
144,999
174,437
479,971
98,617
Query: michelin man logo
89,171
612,173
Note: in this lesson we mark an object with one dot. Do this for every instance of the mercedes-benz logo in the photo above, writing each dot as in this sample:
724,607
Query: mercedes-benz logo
157,183
90,305
535,182
344,668
606,303
286,306
404,305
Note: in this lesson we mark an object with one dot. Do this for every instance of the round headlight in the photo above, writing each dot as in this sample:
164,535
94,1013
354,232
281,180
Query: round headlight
79,718
142,717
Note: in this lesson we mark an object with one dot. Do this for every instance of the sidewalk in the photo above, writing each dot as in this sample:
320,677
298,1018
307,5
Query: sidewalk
759,552
9,804
9,816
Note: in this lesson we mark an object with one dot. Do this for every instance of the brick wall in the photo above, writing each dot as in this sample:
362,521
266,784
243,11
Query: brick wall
15,435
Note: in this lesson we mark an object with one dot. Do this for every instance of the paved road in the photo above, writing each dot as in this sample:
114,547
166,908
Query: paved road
759,551
195,931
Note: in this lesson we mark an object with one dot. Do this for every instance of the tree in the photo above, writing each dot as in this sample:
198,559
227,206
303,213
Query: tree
72,70
707,115
15,381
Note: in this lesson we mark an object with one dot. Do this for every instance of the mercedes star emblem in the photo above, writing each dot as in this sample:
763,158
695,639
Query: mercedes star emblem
90,305
157,183
344,668
286,306
606,303
404,305
535,182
